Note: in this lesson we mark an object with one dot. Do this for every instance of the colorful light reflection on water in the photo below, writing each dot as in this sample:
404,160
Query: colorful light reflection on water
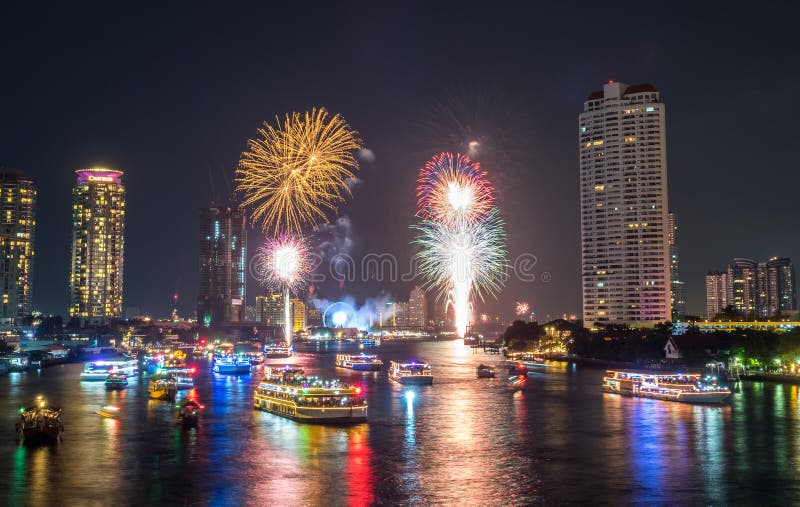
462,440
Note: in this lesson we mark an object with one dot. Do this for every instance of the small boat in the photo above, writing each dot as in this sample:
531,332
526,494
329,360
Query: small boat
359,362
232,365
278,350
485,371
517,381
188,412
39,422
101,369
184,377
109,412
686,388
412,373
116,381
310,399
162,387
517,369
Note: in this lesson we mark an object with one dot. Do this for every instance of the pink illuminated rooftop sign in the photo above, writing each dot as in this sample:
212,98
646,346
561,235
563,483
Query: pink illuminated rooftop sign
97,175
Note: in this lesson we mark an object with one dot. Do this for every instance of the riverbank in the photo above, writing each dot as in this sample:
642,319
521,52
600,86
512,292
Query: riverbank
772,377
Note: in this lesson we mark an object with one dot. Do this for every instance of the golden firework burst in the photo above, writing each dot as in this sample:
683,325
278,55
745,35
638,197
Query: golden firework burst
296,172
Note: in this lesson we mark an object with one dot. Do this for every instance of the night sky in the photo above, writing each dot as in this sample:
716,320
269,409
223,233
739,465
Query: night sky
169,95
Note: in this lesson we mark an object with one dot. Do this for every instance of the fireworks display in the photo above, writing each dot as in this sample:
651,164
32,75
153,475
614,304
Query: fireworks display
283,262
461,236
297,171
452,188
522,308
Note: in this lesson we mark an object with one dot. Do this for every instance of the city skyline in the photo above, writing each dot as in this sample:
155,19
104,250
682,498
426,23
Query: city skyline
152,132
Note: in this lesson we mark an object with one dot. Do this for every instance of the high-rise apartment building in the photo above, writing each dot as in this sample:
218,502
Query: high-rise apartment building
743,286
17,222
716,293
624,214
223,261
98,241
416,315
676,295
401,313
781,293
270,309
298,315
754,289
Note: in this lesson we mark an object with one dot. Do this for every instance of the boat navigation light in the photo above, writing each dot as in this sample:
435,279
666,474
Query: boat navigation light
358,390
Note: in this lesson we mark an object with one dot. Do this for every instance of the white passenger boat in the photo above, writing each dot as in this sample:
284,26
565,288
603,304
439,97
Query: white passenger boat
412,373
310,399
278,350
100,369
232,365
668,387
359,362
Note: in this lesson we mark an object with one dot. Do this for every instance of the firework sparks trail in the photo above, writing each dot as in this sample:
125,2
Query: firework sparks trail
522,308
284,263
461,235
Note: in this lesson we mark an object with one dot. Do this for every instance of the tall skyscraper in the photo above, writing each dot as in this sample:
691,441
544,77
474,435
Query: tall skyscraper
98,241
416,315
676,295
624,222
754,289
781,292
298,315
401,313
270,309
17,219
743,286
223,260
716,293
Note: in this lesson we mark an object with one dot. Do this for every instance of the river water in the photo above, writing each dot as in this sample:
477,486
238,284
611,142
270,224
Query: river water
462,441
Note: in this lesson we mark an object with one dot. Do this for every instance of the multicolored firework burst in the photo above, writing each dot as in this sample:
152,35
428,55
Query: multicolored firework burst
284,263
461,236
297,172
452,188
522,308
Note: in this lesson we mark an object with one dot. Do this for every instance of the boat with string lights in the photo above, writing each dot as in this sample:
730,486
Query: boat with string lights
162,387
359,362
287,393
685,388
413,373
230,364
39,422
278,350
116,381
100,370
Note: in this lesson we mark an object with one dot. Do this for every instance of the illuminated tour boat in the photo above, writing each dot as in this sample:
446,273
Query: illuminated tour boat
485,371
359,362
39,422
286,393
412,373
278,350
116,381
184,377
231,364
673,387
100,370
162,387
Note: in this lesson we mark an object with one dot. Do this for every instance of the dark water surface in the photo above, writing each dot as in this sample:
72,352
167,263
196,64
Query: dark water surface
462,441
